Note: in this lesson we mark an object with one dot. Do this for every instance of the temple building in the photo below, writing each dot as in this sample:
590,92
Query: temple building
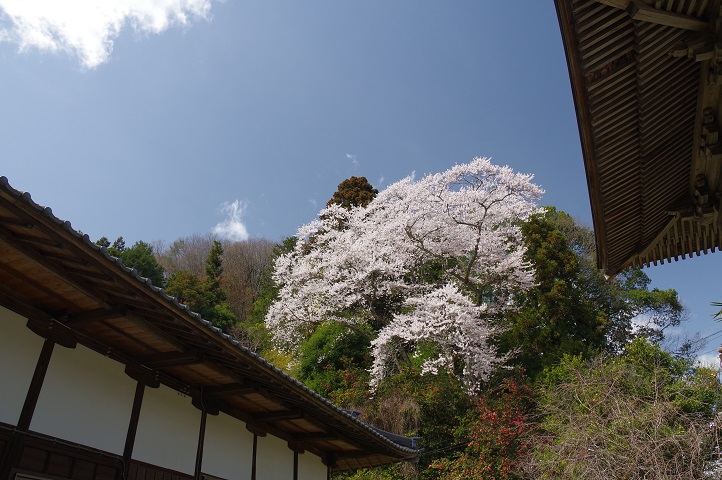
646,78
105,376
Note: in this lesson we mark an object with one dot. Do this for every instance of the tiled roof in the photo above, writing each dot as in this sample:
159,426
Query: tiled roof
59,279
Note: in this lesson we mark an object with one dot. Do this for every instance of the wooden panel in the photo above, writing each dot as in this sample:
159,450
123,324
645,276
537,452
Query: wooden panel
49,457
144,471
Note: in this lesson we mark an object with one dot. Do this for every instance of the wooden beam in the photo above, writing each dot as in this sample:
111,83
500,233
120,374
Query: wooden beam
14,449
39,240
278,416
94,317
171,359
262,429
198,475
22,306
255,454
36,384
311,436
295,464
329,460
143,375
157,331
67,258
55,331
30,281
229,390
8,239
206,404
620,4
132,427
256,430
639,11
295,447
15,222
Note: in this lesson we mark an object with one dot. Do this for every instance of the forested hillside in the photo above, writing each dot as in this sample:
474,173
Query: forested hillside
453,308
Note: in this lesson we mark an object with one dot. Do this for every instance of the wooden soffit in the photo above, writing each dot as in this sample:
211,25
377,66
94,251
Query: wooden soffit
646,79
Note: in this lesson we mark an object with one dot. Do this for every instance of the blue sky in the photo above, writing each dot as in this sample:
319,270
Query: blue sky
248,114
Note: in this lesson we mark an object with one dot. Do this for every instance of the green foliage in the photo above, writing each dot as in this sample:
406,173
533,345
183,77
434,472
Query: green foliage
334,361
644,414
214,270
140,256
115,249
353,192
268,289
442,401
558,315
205,296
496,434
187,288
573,309
252,330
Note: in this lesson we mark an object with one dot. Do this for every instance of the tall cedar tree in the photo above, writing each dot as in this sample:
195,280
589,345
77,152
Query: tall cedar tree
205,297
353,192
214,270
573,309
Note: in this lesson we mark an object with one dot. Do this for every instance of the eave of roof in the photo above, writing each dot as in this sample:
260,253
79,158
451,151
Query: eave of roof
94,297
643,73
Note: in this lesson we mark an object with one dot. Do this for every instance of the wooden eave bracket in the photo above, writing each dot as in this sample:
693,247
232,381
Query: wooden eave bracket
206,404
147,377
295,447
700,47
53,331
256,430
643,12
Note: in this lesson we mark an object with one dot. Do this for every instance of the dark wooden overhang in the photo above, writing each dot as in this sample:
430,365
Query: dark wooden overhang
646,78
72,291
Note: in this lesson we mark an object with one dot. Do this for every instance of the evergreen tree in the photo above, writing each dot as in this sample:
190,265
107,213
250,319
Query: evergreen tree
140,256
353,192
573,309
214,270
205,296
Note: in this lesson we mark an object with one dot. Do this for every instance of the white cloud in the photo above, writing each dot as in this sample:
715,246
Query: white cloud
232,228
313,202
86,28
352,157
381,181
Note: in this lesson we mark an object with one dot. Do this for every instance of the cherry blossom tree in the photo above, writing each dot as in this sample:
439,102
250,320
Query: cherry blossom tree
427,266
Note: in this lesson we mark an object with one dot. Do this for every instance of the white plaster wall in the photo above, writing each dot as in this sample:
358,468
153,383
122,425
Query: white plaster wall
168,430
86,398
274,460
228,448
19,352
310,467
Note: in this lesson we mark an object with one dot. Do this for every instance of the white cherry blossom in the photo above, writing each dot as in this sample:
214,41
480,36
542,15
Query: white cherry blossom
433,261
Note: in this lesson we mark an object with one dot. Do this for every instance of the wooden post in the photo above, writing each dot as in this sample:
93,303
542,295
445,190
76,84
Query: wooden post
132,429
199,451
15,449
255,452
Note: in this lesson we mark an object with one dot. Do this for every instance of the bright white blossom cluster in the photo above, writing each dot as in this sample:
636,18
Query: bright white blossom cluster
431,262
